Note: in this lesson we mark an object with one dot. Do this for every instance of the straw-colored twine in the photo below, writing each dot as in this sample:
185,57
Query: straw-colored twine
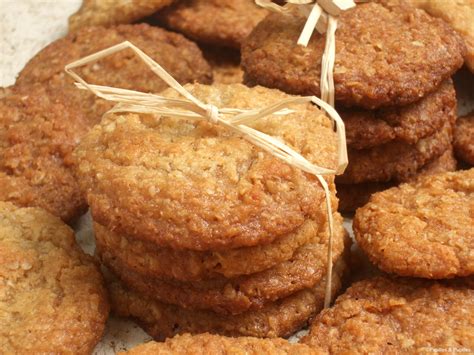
234,119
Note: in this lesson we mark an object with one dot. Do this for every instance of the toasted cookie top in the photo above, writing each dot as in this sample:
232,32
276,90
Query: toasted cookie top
464,138
179,56
421,229
221,22
203,344
38,133
383,315
197,185
385,55
52,298
108,13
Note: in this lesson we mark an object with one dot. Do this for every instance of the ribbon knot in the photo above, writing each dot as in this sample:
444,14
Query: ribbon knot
212,113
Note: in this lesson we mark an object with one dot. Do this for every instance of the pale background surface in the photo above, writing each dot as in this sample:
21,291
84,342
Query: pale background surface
26,26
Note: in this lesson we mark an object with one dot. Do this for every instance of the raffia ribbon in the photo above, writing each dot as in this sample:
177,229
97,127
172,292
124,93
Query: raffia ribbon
322,16
234,119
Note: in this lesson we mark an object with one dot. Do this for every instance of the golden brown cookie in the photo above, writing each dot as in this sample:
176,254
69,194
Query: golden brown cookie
464,138
196,185
353,196
460,15
205,344
421,229
180,57
303,270
407,124
393,316
52,296
385,55
38,133
277,319
109,13
216,22
188,265
396,161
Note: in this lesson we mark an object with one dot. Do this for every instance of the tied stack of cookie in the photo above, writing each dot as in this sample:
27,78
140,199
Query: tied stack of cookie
392,87
205,231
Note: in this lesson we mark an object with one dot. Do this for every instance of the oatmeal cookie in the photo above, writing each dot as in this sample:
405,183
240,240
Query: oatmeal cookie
109,13
353,196
408,124
191,184
147,259
382,315
421,229
303,270
38,133
395,161
216,22
179,56
204,344
277,319
52,296
385,55
464,138
460,15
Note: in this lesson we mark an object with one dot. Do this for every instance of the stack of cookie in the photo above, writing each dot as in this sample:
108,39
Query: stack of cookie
392,87
205,231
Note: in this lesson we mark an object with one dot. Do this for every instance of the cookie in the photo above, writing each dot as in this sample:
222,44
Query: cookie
385,55
147,259
382,315
180,57
225,64
353,196
421,229
204,344
195,185
52,296
38,133
277,319
217,22
303,270
408,124
395,161
464,139
110,13
460,15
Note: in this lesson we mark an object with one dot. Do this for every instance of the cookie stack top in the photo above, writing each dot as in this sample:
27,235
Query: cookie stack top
196,185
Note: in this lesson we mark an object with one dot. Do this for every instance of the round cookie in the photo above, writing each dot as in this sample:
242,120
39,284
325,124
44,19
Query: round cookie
277,319
195,185
385,55
421,229
204,344
353,196
147,259
392,316
109,13
38,133
217,22
234,296
395,161
52,297
179,56
464,139
408,124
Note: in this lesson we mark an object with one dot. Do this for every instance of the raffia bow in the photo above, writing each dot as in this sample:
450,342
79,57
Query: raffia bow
234,119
